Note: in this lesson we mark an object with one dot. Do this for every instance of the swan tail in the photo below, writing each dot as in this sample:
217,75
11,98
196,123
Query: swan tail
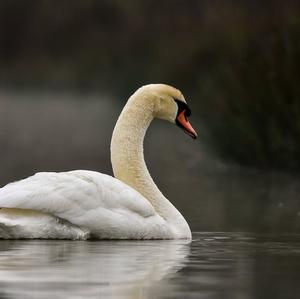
29,224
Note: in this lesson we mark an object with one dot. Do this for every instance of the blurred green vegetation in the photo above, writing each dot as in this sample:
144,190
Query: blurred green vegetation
251,109
237,62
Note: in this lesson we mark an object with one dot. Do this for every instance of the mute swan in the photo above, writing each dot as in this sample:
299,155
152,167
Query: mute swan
84,204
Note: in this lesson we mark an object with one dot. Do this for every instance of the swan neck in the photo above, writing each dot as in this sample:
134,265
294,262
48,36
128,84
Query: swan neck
127,153
127,157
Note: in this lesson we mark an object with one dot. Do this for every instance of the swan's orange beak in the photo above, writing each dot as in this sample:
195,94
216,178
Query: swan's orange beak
184,123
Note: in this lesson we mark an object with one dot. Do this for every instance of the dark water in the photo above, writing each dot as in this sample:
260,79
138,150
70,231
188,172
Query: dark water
214,265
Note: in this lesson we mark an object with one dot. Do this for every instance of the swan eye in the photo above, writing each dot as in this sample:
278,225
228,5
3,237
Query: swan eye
183,107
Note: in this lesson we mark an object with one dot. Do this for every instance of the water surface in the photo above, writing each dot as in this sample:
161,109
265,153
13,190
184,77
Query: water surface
214,265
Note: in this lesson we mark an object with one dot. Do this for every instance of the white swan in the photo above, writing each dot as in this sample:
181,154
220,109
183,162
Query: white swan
84,204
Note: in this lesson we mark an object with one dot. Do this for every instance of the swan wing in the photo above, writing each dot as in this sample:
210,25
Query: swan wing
100,203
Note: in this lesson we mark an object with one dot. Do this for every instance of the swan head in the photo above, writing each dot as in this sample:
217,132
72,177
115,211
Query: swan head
170,105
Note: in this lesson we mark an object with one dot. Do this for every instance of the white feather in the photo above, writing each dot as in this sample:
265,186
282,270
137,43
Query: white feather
102,205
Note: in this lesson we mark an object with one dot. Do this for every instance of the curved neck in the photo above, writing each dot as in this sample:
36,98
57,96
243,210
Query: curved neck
127,157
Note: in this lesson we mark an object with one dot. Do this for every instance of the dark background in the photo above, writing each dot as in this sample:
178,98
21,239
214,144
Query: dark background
67,68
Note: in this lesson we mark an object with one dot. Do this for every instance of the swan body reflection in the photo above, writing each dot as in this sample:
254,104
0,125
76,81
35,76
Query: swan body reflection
112,269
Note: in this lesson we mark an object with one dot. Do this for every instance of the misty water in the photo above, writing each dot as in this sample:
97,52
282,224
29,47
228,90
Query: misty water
214,265
42,131
48,132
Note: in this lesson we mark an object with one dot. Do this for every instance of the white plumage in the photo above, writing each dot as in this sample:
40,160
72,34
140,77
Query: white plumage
101,205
